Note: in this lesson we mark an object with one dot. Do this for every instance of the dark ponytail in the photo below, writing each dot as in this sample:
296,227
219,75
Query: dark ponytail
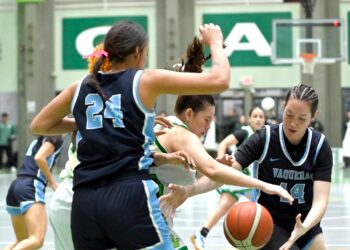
95,83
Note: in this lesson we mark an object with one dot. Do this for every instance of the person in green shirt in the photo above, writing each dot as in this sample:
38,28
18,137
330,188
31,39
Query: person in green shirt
7,136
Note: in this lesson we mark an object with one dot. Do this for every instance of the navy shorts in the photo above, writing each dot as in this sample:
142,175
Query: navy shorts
281,235
23,193
124,214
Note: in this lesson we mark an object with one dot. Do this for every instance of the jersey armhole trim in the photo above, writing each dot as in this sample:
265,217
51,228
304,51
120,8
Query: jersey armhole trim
320,143
76,93
135,93
267,142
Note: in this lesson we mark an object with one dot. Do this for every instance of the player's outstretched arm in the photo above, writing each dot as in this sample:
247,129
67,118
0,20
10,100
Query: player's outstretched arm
316,213
178,194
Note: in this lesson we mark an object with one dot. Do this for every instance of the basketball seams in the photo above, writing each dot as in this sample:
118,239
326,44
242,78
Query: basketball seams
256,221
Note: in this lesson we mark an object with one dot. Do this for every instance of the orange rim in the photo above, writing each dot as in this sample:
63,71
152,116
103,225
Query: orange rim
308,57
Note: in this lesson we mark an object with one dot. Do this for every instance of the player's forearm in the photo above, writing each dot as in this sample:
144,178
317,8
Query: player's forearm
61,127
42,164
315,214
202,185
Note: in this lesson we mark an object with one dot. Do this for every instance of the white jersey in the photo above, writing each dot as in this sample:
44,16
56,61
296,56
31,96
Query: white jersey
170,173
72,162
61,202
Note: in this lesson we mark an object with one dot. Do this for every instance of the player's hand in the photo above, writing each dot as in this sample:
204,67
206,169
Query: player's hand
172,200
211,35
298,231
280,191
53,184
181,158
226,159
175,158
162,121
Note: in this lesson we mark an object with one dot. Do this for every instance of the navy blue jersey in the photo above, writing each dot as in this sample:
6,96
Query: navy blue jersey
115,132
29,166
294,167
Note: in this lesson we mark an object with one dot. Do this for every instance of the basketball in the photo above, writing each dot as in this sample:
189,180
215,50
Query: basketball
248,225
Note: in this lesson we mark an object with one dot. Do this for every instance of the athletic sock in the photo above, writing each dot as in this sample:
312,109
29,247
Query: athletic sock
204,231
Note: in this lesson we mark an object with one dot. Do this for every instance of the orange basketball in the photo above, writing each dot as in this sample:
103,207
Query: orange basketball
248,225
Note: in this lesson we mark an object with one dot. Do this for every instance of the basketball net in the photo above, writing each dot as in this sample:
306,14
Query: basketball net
308,62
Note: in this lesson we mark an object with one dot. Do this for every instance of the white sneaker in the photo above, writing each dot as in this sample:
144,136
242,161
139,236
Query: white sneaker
198,241
13,169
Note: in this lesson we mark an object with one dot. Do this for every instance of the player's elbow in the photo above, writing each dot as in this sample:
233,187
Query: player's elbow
39,159
37,127
222,82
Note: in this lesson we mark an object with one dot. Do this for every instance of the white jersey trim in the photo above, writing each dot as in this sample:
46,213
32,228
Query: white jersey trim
285,151
320,143
267,142
76,93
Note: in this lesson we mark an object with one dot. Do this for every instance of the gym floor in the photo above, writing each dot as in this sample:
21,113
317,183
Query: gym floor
192,214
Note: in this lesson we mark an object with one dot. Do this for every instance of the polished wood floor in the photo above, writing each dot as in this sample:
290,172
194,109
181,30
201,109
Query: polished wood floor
194,212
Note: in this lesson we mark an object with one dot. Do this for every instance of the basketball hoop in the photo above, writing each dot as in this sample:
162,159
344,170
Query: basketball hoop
308,62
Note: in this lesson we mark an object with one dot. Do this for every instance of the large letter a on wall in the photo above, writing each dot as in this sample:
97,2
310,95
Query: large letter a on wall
245,37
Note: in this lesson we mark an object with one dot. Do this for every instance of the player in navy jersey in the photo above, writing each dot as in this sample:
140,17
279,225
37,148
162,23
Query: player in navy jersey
115,202
25,200
299,159
295,157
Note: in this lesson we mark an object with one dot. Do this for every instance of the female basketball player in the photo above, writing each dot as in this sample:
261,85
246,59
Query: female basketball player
61,201
114,115
229,195
25,200
194,113
295,157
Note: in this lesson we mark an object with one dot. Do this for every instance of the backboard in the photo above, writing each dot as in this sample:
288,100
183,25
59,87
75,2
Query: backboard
308,42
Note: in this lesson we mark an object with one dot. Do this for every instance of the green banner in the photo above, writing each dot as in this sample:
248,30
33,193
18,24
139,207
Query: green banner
248,36
80,35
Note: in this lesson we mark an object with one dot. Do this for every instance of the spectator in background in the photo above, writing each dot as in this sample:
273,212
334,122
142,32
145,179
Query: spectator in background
7,136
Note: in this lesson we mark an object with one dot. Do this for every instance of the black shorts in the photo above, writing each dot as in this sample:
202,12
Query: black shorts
124,214
281,235
23,193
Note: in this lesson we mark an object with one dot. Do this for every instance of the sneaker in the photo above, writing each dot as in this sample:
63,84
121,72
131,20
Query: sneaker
198,241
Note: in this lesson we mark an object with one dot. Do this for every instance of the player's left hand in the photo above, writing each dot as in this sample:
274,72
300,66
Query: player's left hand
226,159
172,200
162,121
175,158
298,231
278,190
